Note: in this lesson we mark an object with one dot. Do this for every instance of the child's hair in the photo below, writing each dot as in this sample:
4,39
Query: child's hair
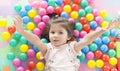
69,26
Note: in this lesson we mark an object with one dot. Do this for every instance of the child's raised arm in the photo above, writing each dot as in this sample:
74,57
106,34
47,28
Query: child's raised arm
31,37
93,35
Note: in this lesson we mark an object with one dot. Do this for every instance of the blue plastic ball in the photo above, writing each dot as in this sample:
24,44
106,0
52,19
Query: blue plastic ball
59,2
28,7
23,13
105,40
64,14
26,19
93,24
85,49
104,48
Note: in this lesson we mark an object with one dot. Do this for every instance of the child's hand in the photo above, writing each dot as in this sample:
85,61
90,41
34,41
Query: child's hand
18,24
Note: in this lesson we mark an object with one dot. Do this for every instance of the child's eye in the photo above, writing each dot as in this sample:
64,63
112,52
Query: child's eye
60,32
52,32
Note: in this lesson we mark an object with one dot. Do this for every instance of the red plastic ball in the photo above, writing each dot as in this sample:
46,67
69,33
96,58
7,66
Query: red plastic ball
77,1
105,57
11,29
98,54
111,45
86,27
66,2
31,65
75,7
27,70
106,68
113,69
58,10
83,20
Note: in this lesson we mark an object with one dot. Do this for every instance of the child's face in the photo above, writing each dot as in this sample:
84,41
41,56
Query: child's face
58,35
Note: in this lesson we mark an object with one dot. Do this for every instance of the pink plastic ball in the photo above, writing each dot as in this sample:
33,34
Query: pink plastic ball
41,25
95,12
37,19
37,31
43,4
31,53
20,69
50,10
71,20
16,62
90,55
82,34
42,12
36,4
76,33
45,18
98,19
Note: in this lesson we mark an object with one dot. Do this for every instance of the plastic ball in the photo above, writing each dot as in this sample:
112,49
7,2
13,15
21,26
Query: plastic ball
83,20
27,70
50,10
104,48
99,63
40,66
103,13
20,69
36,4
91,63
76,33
10,56
106,68
105,40
35,49
44,40
59,2
114,69
111,53
13,42
37,19
16,62
32,13
78,26
64,14
51,2
26,19
81,57
23,13
82,33
111,45
113,61
107,33
85,49
17,7
58,10
45,18
104,24
23,40
43,4
93,47
30,26
88,9
98,54
89,17
105,57
24,48
93,24
37,31
38,55
23,56
77,1
41,25
66,2
81,12
98,19
90,55
11,29
17,35
28,7
75,7
31,65
31,53
95,12
42,12
71,20
98,41
114,32
74,14
3,22
84,3
6,35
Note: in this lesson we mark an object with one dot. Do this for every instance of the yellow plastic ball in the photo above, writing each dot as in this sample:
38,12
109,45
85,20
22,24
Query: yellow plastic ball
74,14
67,8
32,13
89,17
99,63
104,24
91,63
5,35
24,48
30,26
103,13
113,61
3,22
38,55
40,66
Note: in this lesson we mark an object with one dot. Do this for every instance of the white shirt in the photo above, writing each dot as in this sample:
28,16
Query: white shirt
62,58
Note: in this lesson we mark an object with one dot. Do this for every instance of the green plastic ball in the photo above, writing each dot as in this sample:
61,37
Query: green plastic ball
17,7
10,56
23,56
78,26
